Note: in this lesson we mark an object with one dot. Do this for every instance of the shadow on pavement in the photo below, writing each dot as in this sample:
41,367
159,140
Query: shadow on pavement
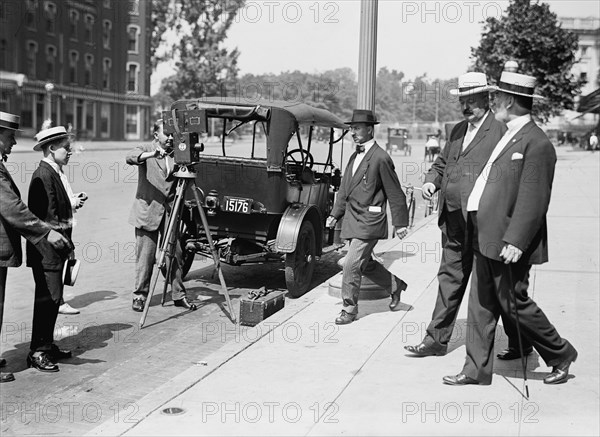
85,299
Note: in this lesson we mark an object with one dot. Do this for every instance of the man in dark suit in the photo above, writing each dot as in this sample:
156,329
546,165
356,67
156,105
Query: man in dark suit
16,219
454,173
155,191
507,212
49,201
369,182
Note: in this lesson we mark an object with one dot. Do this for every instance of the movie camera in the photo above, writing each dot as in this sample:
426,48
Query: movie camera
185,129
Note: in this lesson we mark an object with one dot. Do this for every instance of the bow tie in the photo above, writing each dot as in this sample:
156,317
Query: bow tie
360,148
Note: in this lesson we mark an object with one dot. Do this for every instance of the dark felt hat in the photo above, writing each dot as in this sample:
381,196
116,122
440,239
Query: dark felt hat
363,116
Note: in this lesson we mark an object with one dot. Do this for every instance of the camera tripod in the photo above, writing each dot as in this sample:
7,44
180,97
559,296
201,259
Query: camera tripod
186,177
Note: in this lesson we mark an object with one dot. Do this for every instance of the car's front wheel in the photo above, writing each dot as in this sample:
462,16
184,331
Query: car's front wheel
300,264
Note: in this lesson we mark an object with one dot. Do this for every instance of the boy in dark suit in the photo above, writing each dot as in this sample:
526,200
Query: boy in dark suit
369,182
48,200
507,213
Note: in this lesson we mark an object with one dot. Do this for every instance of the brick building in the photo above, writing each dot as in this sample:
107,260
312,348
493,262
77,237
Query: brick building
82,62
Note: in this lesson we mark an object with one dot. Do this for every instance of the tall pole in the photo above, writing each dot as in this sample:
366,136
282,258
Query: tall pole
367,55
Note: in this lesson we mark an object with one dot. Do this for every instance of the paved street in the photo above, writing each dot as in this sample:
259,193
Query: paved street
115,363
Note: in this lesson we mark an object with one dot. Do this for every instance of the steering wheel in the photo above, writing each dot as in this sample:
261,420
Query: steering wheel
309,161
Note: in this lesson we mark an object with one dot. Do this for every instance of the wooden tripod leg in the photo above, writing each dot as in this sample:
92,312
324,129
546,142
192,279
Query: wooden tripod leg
214,252
181,186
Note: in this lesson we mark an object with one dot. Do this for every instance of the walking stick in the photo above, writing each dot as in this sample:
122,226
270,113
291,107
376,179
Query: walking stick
523,358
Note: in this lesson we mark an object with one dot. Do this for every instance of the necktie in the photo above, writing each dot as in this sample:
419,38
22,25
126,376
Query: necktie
360,148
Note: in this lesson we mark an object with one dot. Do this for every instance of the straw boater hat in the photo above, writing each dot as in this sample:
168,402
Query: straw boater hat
9,121
470,83
47,135
516,83
363,116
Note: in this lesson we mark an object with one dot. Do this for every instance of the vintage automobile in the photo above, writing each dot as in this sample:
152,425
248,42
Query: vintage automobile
266,195
397,140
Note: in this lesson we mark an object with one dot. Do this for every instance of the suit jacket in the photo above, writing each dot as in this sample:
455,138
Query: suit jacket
15,220
154,192
49,201
514,202
363,195
455,171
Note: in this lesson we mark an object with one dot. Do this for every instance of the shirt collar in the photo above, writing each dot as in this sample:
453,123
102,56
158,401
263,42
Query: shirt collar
479,122
517,123
53,164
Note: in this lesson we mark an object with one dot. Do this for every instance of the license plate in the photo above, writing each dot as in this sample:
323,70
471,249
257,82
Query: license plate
237,204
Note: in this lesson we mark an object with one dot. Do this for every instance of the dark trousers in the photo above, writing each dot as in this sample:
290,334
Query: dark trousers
453,277
358,263
492,286
3,272
48,293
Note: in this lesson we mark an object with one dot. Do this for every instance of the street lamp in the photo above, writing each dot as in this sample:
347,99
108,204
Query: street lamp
48,101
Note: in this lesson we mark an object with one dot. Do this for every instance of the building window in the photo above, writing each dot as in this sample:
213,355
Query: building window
104,120
134,7
31,58
73,19
3,55
31,5
106,4
132,76
131,121
73,58
50,62
584,51
50,17
89,64
106,66
133,33
106,29
90,116
583,76
89,29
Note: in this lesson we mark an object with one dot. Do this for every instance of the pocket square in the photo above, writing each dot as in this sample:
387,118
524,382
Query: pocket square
516,155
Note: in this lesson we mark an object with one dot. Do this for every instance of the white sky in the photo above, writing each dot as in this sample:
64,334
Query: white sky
415,37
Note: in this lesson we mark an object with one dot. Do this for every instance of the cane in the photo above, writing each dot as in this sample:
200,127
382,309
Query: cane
523,358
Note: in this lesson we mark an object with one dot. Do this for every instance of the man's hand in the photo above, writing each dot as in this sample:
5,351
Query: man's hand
57,241
428,189
511,254
80,199
400,232
330,222
160,153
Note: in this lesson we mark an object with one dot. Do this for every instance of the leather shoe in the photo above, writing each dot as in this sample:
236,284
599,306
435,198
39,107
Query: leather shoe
560,373
6,377
41,361
460,379
512,354
183,303
345,318
400,287
2,362
138,304
59,354
425,350
65,308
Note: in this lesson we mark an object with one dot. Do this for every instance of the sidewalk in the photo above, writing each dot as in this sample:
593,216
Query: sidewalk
300,374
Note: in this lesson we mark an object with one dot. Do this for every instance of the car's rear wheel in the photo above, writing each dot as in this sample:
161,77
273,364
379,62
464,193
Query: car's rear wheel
300,264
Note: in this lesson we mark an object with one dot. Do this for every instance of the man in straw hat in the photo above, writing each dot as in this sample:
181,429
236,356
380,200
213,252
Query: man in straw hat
507,212
50,201
453,173
369,182
16,219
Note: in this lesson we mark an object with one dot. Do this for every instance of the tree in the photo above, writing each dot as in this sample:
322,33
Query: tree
203,66
530,34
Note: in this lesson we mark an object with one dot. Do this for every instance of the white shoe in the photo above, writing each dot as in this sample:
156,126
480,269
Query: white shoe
65,308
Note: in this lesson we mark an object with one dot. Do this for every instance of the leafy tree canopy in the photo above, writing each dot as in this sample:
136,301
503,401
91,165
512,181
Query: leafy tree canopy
530,34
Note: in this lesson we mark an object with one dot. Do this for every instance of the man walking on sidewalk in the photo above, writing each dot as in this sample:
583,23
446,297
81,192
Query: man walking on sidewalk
507,212
368,183
454,173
